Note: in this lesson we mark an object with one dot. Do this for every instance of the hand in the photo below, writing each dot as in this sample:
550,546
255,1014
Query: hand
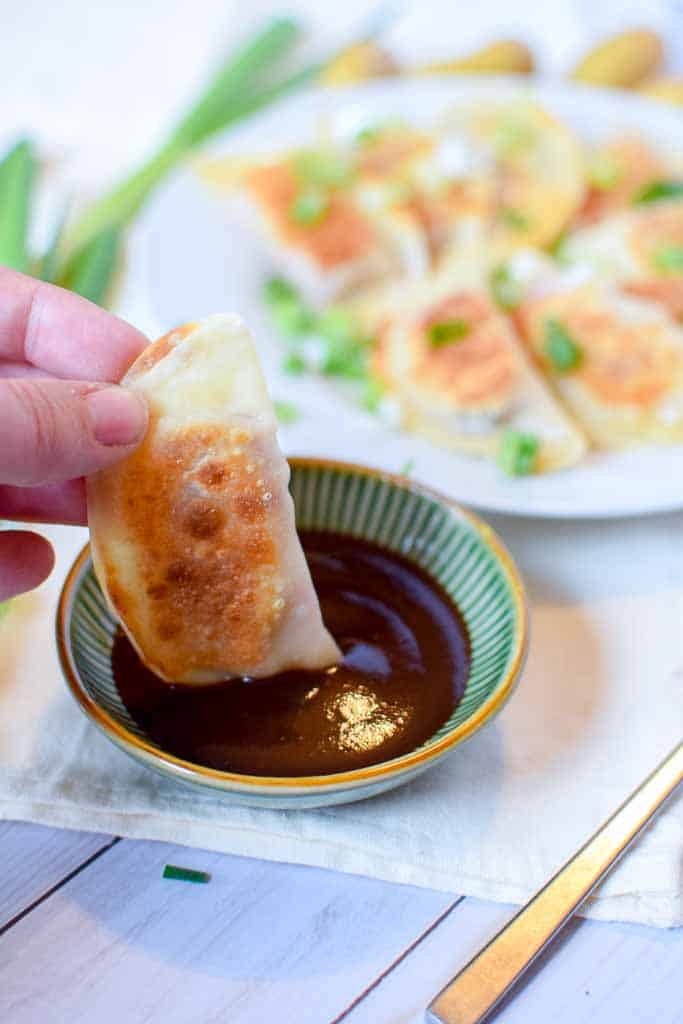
60,416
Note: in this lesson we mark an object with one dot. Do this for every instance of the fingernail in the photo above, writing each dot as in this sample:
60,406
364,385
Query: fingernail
118,416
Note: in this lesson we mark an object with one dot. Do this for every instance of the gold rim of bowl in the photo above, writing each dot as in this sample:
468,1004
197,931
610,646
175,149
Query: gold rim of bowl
189,770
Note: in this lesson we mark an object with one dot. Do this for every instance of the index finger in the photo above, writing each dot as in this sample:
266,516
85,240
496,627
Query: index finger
61,333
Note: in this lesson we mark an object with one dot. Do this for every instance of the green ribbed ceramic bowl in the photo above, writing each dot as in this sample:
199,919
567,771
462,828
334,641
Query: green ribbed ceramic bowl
455,547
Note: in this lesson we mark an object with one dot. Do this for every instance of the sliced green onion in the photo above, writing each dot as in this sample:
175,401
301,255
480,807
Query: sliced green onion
293,318
286,412
657,190
514,219
278,289
91,271
505,289
603,172
446,332
310,206
17,176
373,392
669,259
186,874
294,364
562,350
407,468
325,169
517,453
345,359
337,324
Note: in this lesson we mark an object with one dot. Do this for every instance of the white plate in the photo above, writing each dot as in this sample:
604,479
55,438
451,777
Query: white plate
193,261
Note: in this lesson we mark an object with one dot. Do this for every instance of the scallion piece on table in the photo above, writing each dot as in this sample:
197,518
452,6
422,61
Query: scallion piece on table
563,351
310,206
518,453
656,190
407,468
186,874
17,178
669,259
446,332
294,364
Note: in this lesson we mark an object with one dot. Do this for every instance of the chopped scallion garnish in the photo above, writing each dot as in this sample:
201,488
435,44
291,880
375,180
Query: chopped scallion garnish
603,172
373,392
562,350
278,289
657,190
326,169
407,468
293,318
514,219
286,412
446,332
506,290
517,453
669,259
310,206
186,874
294,364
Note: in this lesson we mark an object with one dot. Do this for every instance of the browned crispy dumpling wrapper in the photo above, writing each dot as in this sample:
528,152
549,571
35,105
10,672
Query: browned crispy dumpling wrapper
193,537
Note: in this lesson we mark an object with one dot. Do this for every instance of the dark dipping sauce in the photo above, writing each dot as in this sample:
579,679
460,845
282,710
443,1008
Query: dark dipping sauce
406,660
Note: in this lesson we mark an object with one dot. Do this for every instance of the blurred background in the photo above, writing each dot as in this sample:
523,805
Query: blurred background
98,84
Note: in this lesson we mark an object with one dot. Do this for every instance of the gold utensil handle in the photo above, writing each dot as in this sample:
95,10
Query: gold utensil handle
478,988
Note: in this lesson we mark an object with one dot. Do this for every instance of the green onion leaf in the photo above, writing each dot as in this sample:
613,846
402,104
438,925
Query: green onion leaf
48,266
669,259
325,169
186,874
293,318
517,453
17,175
277,290
514,219
505,289
657,190
310,206
603,172
294,364
91,271
286,412
237,90
562,350
448,331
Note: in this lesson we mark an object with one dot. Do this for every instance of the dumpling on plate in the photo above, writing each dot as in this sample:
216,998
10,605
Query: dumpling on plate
316,231
463,381
615,361
193,537
616,171
641,248
538,170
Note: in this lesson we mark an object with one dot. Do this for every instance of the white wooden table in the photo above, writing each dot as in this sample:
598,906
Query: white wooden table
90,933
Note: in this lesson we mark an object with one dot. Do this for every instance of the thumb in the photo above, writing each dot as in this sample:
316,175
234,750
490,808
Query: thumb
53,430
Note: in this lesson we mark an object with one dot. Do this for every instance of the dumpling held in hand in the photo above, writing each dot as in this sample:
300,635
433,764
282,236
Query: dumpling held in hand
193,537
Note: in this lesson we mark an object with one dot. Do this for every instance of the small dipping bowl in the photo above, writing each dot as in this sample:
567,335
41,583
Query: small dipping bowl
453,546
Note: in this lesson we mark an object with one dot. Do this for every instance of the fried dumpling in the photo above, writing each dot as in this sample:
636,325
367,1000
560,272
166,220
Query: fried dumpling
193,537
615,361
463,381
641,248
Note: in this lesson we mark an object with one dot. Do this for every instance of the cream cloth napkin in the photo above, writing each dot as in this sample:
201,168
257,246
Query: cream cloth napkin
600,703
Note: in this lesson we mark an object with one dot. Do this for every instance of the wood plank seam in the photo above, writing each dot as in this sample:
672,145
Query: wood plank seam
396,961
58,885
